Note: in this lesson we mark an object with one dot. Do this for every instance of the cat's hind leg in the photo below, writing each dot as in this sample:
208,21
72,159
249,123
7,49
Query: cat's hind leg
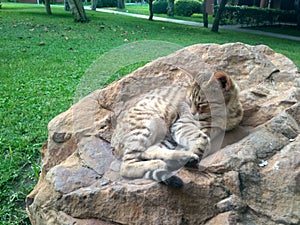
156,170
137,168
174,159
157,163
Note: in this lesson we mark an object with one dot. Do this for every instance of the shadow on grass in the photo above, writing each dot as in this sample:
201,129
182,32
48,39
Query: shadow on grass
279,29
35,10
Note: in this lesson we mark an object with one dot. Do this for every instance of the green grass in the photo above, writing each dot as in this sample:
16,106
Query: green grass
123,71
42,61
279,29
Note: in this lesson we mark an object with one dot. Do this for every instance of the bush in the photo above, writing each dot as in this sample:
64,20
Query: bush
254,16
160,6
106,3
187,7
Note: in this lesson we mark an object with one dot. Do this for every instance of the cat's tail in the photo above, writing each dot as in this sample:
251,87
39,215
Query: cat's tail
165,177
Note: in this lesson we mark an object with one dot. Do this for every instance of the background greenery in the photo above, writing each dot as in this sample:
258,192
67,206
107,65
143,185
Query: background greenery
255,16
159,10
42,59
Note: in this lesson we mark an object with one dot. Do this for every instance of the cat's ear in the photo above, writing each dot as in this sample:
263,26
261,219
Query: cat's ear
223,79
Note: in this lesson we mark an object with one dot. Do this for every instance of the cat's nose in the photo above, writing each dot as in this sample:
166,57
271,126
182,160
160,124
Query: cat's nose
194,111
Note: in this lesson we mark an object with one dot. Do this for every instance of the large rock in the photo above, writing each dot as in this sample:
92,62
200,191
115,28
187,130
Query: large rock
253,179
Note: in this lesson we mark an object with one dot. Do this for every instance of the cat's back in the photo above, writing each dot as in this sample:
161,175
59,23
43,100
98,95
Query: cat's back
159,103
148,119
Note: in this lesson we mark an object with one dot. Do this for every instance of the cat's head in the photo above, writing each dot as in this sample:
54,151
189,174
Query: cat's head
224,83
216,91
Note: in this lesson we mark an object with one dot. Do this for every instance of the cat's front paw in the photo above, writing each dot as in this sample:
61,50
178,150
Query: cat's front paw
201,146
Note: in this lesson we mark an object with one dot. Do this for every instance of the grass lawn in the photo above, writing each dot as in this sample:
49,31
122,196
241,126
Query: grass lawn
42,61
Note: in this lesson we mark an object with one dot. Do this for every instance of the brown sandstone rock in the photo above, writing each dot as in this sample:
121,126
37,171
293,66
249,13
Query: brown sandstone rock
253,179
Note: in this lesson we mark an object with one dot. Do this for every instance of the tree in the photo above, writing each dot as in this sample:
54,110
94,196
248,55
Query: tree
94,4
151,9
170,11
77,10
120,4
297,7
215,27
205,15
48,7
66,5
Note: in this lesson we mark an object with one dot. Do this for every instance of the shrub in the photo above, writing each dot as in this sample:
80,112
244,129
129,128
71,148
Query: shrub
106,3
187,7
254,16
160,6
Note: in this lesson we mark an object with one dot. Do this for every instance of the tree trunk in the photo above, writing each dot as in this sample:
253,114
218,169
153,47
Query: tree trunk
262,4
120,4
298,21
66,5
48,7
170,8
94,4
151,9
297,7
77,10
204,14
215,27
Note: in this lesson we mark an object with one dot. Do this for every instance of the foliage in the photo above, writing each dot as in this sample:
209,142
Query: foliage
160,6
187,7
106,3
254,16
43,59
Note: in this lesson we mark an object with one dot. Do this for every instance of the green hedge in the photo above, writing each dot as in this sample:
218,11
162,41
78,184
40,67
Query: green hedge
254,16
106,3
160,6
187,7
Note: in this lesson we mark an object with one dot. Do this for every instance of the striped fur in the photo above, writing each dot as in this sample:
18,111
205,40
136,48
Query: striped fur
159,134
143,132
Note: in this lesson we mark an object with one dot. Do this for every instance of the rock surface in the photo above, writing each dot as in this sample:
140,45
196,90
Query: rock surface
253,179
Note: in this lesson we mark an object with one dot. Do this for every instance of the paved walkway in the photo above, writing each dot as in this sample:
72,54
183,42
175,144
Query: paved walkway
225,27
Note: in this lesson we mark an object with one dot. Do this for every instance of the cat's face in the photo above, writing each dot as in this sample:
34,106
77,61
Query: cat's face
214,93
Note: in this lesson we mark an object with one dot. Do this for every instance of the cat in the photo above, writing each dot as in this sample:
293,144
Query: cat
220,109
159,134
